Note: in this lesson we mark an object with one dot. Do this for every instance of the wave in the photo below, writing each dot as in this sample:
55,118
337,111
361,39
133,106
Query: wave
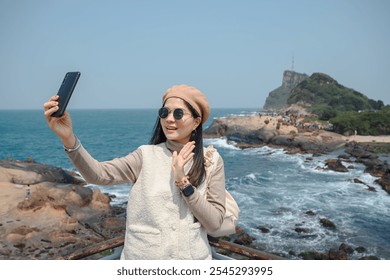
119,193
264,151
243,113
276,189
221,143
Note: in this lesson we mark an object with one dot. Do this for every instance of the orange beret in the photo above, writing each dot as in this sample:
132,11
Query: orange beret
193,96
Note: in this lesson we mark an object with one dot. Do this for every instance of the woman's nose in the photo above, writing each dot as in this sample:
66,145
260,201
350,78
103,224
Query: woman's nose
170,117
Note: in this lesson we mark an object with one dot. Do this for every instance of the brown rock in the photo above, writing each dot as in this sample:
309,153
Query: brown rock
263,229
244,239
384,181
327,223
335,254
335,165
35,173
55,219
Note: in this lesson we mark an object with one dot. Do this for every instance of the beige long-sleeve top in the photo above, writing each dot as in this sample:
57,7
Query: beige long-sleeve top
209,210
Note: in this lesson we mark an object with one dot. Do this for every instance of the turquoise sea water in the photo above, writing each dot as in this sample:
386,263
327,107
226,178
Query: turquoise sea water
273,189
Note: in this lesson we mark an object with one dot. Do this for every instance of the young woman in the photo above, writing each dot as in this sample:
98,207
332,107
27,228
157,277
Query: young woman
178,192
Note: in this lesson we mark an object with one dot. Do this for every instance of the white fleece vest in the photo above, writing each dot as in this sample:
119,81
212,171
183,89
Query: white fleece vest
159,223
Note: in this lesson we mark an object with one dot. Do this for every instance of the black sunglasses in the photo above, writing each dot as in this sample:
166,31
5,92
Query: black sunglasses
177,113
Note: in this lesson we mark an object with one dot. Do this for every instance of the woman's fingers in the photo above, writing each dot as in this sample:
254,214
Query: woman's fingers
52,102
187,149
51,110
174,158
62,125
51,106
185,155
180,160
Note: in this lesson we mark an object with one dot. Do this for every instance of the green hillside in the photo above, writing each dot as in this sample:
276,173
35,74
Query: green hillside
344,107
325,96
365,123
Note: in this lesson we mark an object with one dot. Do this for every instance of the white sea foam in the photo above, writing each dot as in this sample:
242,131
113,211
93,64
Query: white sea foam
263,151
220,143
120,193
284,187
240,114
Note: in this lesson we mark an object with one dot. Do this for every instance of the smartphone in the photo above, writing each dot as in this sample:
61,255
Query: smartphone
65,92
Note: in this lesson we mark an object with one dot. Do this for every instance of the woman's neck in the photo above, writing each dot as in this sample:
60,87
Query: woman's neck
173,145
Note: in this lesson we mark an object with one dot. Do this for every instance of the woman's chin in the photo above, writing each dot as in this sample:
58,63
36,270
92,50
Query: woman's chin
176,138
171,137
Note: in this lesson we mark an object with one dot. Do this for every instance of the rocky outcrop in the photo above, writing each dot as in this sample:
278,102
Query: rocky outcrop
303,230
277,99
343,252
335,165
258,130
48,213
33,173
384,182
374,166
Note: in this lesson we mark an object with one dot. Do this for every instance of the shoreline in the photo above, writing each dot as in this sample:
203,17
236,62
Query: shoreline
40,219
367,139
257,130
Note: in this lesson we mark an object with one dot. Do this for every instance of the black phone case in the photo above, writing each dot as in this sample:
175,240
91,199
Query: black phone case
65,92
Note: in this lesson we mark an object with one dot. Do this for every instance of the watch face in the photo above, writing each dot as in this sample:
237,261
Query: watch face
188,190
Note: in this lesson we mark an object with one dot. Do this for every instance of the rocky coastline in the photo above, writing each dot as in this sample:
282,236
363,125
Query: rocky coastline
49,213
258,130
272,130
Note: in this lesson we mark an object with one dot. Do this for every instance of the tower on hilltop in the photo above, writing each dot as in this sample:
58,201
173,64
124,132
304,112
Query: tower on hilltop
292,64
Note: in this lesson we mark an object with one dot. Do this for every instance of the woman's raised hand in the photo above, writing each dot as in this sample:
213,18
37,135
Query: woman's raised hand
61,126
179,160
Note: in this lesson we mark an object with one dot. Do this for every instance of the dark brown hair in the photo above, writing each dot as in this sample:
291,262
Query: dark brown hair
197,173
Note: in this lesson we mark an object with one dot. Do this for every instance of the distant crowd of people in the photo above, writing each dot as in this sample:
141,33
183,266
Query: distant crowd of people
298,122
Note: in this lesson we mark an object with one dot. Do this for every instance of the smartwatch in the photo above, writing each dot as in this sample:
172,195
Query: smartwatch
188,190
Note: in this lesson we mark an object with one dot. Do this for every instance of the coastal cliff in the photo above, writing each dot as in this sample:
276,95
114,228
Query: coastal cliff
277,99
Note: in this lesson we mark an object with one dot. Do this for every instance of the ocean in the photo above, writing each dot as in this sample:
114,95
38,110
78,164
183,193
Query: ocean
274,190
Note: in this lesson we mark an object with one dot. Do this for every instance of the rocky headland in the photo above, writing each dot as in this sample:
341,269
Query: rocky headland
262,129
277,98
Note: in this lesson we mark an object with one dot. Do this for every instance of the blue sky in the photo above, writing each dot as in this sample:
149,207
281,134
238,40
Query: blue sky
130,52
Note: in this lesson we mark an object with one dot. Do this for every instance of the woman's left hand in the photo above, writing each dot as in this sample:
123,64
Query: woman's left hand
179,160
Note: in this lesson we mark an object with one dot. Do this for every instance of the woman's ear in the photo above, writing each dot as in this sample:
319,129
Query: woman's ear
197,122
